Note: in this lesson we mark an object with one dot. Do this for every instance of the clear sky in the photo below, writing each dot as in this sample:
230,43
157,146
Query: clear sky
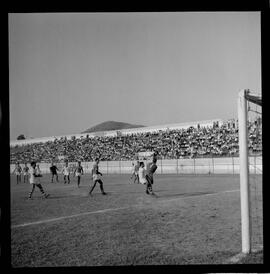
68,71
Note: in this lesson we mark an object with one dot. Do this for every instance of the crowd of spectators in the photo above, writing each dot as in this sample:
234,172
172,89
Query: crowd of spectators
211,141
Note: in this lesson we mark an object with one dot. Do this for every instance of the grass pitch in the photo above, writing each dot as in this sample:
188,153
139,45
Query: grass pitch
191,220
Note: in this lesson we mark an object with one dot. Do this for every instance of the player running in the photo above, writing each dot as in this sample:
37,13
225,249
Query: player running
142,174
18,172
78,172
150,170
25,173
66,172
34,181
96,178
53,169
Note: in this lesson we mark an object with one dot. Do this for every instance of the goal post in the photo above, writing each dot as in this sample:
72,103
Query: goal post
244,97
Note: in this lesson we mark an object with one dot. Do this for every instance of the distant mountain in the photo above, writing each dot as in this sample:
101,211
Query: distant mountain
111,125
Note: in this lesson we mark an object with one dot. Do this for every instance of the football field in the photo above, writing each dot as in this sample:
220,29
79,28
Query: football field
193,219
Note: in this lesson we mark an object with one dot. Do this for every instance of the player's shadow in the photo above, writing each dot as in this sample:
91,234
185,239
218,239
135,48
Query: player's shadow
190,194
61,197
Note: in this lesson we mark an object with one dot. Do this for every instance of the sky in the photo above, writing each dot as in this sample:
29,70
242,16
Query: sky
71,71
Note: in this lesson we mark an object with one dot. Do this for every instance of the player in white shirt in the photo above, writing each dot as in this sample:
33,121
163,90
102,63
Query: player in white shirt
18,172
136,169
96,178
66,172
25,173
38,171
34,181
133,171
142,173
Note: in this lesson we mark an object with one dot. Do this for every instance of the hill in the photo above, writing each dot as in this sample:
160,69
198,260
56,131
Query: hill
111,125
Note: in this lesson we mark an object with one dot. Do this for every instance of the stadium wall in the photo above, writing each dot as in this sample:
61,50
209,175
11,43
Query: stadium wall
228,165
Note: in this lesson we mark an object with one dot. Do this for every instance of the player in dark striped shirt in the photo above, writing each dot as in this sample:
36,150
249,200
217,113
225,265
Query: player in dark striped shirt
53,169
78,172
150,170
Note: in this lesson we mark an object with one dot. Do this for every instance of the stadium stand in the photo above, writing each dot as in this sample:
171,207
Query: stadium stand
200,141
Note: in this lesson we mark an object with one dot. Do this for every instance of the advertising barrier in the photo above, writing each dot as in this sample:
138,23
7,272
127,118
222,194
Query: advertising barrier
226,165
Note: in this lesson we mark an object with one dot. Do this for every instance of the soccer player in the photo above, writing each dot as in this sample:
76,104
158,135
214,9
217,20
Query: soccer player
18,172
141,174
66,172
150,170
136,169
34,181
38,170
53,170
25,173
133,171
96,178
78,172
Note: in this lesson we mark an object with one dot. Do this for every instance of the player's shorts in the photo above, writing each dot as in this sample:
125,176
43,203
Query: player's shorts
18,173
143,181
136,173
78,174
25,173
66,174
96,177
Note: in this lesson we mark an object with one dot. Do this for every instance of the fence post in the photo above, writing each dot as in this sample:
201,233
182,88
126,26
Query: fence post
194,166
177,166
255,165
120,166
233,164
161,167
107,167
213,164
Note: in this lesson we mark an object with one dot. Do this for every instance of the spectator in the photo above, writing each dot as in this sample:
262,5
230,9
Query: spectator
217,140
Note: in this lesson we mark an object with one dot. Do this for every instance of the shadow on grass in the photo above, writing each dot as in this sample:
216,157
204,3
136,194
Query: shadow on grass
185,194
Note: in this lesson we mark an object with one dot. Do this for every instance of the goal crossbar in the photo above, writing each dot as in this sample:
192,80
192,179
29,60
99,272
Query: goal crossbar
253,98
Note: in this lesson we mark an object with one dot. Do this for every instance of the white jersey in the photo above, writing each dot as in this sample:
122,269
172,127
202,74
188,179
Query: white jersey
96,177
32,175
38,171
66,170
141,174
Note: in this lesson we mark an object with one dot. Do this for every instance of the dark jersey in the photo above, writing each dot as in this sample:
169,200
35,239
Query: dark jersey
151,168
79,169
53,169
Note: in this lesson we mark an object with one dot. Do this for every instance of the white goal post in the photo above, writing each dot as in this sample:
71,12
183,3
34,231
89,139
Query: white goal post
245,96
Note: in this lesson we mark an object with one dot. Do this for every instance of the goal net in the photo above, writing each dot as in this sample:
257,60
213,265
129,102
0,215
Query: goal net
250,154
